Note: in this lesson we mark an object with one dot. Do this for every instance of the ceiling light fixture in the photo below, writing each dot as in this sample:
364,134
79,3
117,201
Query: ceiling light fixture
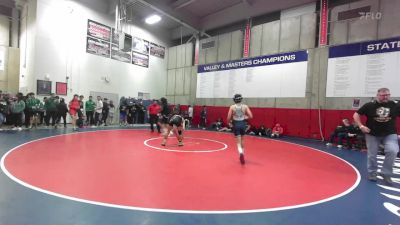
153,19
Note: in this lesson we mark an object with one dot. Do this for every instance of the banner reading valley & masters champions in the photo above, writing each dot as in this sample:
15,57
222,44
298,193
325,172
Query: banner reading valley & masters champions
359,70
280,75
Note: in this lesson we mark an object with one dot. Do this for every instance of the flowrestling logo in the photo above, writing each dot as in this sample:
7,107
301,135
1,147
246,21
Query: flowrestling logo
370,15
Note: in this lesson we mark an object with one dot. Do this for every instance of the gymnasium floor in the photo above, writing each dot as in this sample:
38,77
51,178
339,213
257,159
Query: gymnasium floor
123,176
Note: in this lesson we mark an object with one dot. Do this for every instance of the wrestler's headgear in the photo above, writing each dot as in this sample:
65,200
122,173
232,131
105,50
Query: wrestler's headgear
237,98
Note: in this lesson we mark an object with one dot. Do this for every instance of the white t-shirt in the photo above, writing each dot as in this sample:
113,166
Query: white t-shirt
99,106
190,112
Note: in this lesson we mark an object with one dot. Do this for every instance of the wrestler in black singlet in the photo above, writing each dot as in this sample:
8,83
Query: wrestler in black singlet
176,120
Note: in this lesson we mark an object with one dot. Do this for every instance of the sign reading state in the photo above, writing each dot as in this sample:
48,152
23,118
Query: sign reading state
359,70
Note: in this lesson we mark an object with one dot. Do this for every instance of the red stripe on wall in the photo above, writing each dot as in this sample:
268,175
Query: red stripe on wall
296,122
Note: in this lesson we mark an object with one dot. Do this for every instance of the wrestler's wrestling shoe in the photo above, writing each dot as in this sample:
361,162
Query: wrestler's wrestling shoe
241,158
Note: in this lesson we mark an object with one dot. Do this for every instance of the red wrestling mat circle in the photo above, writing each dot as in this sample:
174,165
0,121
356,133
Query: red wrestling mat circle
116,168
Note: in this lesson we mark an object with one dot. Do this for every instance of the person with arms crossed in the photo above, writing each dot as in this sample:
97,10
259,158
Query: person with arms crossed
380,127
238,113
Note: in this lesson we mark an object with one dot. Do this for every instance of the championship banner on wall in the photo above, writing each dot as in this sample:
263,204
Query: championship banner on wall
157,50
273,76
140,59
98,47
359,70
323,23
120,55
246,44
139,45
99,30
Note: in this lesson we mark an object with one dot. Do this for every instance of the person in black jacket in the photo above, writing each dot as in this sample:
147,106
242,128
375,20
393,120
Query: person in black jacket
3,110
263,131
106,110
203,118
141,110
164,115
62,111
131,110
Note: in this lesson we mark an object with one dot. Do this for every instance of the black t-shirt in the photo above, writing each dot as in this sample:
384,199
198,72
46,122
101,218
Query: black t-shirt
3,107
106,108
381,117
122,108
165,110
62,108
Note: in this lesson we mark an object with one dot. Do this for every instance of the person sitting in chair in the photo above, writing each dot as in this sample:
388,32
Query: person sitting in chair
343,131
277,131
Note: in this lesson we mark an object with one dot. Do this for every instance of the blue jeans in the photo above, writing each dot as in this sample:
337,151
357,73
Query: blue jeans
391,148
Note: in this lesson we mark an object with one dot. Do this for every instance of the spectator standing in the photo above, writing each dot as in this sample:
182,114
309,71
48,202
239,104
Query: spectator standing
3,110
51,110
62,110
122,112
90,107
33,104
17,110
141,111
81,107
190,115
380,127
105,111
154,111
203,117
111,112
74,107
98,110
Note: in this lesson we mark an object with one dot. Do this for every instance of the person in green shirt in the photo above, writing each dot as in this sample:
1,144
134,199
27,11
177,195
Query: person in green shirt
51,110
33,107
17,108
90,106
